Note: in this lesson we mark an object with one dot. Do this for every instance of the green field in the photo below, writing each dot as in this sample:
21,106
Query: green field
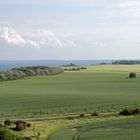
99,88
127,129
49,102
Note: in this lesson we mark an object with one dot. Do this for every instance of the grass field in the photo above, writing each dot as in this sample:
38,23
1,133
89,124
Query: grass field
98,88
127,129
48,101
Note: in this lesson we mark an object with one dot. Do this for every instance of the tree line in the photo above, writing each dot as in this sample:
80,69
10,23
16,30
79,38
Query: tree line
18,73
126,62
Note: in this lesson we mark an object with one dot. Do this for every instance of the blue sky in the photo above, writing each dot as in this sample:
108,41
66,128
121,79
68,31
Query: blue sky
69,29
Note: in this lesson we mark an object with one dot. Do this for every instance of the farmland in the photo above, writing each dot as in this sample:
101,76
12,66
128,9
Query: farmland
100,88
71,92
127,129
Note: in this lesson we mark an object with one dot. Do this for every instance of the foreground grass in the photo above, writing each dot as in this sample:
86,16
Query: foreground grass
49,128
123,129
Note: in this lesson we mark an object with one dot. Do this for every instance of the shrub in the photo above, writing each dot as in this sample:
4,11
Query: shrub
136,111
20,125
38,134
82,115
82,68
6,134
28,125
132,75
94,113
7,122
1,125
2,77
70,118
127,112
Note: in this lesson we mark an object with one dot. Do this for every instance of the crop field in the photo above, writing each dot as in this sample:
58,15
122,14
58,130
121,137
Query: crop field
127,129
99,88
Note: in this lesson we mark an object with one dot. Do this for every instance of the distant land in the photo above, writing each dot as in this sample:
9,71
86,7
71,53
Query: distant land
6,65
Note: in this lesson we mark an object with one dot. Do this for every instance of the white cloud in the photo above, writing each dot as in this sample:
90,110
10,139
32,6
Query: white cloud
37,39
33,43
45,38
11,36
131,7
130,3
50,2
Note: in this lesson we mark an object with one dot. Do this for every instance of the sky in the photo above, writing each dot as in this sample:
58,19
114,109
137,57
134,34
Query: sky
69,29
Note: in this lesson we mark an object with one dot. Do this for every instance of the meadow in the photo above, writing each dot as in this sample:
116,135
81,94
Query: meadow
99,88
126,129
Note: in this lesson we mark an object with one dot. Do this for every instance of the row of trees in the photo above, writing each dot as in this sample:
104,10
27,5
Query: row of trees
18,73
126,62
74,69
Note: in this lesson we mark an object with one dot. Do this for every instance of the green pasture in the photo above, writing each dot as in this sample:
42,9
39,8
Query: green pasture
127,129
98,88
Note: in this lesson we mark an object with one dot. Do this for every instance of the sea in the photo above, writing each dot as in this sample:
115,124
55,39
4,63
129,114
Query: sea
6,65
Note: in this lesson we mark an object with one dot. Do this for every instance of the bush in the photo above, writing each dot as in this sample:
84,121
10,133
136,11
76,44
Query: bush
1,125
94,113
82,115
28,125
6,134
127,112
7,122
83,68
132,75
38,134
20,125
136,111
2,77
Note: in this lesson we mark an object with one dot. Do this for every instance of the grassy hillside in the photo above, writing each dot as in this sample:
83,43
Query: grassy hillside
127,129
95,89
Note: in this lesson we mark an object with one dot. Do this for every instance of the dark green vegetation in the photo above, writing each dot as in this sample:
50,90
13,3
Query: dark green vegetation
70,92
127,112
127,129
126,62
8,130
18,73
74,68
132,75
6,134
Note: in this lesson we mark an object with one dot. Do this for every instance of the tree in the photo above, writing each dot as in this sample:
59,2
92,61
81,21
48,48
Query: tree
132,75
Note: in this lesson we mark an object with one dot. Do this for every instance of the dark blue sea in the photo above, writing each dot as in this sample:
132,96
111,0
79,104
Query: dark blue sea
6,65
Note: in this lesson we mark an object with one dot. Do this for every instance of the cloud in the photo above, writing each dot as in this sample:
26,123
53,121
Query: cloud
45,38
130,3
37,39
13,38
131,7
50,2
